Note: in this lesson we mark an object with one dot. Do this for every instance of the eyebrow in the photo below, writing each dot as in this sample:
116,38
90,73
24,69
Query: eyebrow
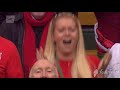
48,68
53,69
37,69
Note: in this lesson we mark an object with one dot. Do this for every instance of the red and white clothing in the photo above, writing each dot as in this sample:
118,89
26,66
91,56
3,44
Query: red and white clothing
108,30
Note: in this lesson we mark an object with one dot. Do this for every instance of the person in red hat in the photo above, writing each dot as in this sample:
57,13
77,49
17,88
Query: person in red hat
107,31
10,64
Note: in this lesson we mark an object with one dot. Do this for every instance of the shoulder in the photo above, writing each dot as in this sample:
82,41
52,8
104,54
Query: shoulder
93,61
6,45
5,41
116,46
93,58
8,51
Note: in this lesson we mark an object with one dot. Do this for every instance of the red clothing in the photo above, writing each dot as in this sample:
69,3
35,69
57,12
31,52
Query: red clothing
10,64
109,25
66,68
66,65
29,48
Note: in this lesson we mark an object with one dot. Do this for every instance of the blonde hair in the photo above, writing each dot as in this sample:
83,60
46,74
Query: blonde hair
80,66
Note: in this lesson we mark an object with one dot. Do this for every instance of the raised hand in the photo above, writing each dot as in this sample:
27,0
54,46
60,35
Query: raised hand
39,53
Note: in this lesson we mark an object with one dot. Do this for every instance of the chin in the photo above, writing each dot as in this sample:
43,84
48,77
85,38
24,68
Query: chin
67,51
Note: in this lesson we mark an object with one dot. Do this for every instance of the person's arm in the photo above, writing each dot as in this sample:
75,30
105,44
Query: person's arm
14,66
103,65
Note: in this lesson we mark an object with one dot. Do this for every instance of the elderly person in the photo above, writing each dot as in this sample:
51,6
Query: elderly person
43,69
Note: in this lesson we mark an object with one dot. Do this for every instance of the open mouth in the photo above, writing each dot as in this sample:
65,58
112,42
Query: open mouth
67,41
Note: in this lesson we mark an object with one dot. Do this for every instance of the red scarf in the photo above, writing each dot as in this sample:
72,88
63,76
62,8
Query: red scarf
29,38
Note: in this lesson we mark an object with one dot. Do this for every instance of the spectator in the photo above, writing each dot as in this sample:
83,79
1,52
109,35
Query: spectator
43,69
10,64
65,46
107,31
26,33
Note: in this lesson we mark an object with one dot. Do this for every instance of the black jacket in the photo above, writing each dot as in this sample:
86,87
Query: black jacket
4,14
14,32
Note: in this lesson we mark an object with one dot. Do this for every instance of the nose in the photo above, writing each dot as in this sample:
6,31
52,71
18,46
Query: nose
44,74
67,32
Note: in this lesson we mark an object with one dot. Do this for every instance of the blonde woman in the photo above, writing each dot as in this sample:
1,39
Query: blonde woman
65,46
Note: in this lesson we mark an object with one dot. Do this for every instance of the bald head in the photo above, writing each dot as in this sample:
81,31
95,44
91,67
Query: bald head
43,69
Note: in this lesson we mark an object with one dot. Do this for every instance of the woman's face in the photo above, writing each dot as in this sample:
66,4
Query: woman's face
38,15
66,35
44,69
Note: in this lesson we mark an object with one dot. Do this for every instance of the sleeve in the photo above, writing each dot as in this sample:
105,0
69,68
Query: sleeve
113,68
14,66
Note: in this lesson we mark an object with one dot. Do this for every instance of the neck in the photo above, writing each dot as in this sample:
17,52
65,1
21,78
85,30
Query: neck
37,18
65,56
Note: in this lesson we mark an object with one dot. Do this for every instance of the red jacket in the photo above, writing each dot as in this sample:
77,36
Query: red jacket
10,64
66,65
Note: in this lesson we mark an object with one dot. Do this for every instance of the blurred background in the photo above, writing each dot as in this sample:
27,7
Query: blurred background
88,21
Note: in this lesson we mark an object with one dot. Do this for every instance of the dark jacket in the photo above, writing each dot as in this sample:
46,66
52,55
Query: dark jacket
14,32
4,14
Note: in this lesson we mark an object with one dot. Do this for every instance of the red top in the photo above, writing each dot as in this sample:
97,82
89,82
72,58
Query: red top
66,68
10,64
66,65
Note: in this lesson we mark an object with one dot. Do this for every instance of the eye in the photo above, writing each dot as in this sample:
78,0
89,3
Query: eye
61,30
49,70
38,71
72,29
